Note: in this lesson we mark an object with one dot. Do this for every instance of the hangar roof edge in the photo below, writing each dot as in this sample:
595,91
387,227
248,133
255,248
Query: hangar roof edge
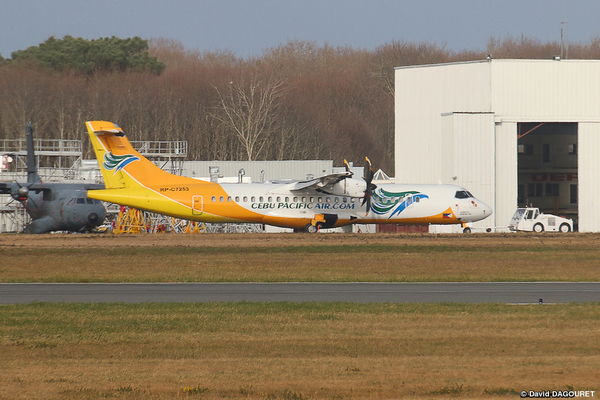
503,60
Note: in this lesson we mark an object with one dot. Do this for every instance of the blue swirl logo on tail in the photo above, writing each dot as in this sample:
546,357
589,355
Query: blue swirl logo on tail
117,163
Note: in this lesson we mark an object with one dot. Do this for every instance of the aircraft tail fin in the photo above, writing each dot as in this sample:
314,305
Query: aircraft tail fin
32,174
121,165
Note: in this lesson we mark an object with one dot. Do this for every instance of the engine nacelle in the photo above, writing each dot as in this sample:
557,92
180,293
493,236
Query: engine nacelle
347,187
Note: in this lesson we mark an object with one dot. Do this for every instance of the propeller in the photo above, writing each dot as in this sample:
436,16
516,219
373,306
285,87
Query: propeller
370,186
22,194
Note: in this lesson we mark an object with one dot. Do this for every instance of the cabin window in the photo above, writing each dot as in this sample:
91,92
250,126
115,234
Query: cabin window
278,199
295,199
228,198
312,200
529,214
213,199
303,199
287,199
345,199
328,199
337,199
237,199
253,199
245,199
270,199
260,199
319,199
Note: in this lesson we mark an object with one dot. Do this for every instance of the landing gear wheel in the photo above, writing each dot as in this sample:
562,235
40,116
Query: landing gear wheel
310,228
538,228
467,230
565,228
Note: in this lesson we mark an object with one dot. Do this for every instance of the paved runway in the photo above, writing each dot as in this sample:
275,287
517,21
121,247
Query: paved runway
473,292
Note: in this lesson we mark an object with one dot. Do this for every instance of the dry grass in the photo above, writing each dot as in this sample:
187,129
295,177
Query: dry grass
295,351
284,257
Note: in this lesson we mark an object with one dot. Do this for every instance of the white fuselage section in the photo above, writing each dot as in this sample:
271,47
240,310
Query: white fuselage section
274,204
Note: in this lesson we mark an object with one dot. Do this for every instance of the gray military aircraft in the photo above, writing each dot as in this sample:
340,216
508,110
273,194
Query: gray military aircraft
54,206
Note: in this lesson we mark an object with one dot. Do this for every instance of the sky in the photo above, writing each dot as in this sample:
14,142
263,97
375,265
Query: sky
247,27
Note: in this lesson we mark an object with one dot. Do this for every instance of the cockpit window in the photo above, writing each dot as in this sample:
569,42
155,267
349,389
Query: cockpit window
89,201
80,200
462,194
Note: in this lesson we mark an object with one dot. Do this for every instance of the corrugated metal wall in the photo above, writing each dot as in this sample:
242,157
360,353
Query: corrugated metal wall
468,154
423,94
506,174
545,89
433,102
589,177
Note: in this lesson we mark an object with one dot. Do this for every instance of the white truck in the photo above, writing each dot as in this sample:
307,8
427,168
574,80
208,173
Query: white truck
531,220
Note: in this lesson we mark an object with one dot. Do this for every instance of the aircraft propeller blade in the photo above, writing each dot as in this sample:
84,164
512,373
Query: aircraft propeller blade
347,166
370,186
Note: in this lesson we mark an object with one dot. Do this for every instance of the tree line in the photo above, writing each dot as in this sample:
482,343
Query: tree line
299,100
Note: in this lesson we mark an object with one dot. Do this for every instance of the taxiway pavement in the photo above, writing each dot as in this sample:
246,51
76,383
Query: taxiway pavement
359,292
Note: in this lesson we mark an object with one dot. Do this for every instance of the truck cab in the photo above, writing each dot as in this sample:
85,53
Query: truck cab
531,220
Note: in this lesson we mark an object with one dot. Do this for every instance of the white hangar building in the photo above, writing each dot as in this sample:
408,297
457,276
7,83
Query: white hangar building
513,132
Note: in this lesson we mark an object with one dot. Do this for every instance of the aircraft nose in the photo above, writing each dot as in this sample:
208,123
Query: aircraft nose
485,210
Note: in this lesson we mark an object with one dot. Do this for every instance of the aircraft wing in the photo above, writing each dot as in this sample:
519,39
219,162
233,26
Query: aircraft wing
5,187
94,186
13,187
319,183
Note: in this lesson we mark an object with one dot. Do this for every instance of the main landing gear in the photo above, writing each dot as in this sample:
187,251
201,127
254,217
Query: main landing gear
310,228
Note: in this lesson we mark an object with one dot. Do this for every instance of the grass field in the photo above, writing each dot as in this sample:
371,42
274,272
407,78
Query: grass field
299,258
297,351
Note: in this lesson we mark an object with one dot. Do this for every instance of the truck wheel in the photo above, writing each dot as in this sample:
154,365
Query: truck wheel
538,228
310,228
564,228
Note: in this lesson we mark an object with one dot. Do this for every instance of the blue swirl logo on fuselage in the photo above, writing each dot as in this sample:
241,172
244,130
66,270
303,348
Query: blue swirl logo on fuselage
384,202
117,163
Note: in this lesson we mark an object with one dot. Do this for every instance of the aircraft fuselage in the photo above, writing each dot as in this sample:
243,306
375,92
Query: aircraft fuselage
272,204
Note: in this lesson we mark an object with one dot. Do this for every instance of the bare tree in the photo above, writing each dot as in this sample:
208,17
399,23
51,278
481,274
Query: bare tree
248,108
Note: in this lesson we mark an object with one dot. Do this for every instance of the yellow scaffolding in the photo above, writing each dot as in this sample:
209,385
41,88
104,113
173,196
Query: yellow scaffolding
130,220
194,227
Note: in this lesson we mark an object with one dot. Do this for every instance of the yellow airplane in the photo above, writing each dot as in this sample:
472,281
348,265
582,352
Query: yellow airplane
306,206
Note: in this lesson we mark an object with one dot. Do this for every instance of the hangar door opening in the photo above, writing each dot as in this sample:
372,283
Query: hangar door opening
547,167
